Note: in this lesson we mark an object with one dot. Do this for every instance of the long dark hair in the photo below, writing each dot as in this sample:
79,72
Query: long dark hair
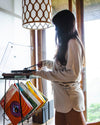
64,22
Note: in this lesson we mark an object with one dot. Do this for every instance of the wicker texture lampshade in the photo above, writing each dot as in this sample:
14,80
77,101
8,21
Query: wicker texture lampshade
36,14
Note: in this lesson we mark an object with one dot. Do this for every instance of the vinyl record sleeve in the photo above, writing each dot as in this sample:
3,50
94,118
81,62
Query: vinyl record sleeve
13,108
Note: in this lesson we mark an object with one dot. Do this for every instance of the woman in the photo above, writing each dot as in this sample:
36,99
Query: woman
66,71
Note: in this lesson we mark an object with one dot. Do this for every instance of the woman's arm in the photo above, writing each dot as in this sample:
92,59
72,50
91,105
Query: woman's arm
73,66
47,63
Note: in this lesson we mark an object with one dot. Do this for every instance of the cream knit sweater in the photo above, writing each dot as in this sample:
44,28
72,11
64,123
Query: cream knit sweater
65,79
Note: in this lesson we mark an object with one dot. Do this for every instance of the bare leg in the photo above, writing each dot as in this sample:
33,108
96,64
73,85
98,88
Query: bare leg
75,118
60,118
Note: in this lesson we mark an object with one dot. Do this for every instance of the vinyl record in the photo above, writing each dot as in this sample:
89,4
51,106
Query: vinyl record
15,109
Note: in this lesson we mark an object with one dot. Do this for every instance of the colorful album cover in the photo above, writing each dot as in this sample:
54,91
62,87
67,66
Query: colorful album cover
36,93
31,100
13,108
28,95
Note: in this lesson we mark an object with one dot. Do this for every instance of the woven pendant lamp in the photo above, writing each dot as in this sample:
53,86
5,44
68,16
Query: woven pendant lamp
36,14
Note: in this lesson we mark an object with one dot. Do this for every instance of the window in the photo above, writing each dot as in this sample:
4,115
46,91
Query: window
92,46
50,52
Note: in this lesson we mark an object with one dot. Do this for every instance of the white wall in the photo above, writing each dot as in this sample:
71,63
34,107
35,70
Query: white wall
7,4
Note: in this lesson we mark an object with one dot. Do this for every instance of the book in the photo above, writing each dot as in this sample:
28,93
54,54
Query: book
15,109
28,95
41,98
40,94
22,101
36,94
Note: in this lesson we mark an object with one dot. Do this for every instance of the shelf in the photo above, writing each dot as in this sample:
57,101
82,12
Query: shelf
18,76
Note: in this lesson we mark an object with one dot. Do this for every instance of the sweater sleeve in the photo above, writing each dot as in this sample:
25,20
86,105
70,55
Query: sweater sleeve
47,63
73,67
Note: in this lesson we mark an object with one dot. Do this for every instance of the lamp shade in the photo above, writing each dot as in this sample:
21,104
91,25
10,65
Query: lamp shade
36,14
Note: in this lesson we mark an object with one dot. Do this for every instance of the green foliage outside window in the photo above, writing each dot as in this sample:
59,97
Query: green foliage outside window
93,113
